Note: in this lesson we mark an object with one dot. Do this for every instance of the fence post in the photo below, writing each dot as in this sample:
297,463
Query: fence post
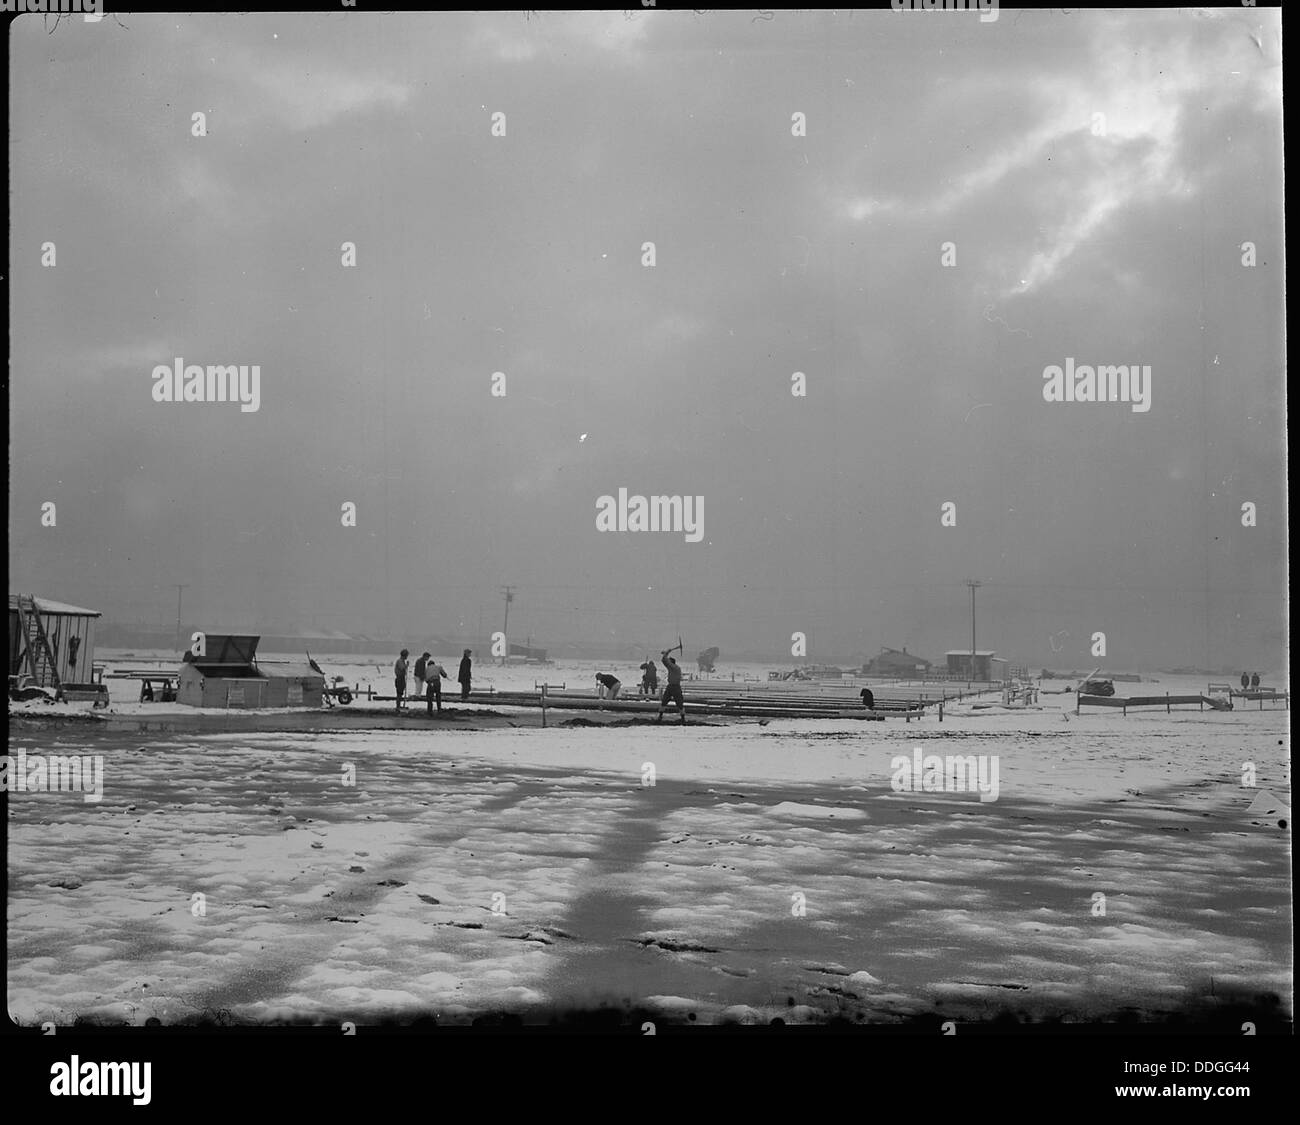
543,705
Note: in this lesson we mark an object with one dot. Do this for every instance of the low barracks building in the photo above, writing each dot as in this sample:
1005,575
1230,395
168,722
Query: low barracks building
893,662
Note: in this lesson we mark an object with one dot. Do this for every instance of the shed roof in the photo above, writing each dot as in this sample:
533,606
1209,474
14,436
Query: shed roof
229,648
288,669
58,609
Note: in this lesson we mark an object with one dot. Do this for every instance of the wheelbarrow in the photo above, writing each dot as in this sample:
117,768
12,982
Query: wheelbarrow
334,692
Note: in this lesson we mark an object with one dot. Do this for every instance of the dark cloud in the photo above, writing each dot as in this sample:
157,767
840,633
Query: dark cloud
775,254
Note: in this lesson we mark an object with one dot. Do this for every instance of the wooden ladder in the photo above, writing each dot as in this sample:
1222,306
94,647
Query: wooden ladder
40,657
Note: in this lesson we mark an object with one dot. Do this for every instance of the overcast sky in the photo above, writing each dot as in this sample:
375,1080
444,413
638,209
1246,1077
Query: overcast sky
1109,241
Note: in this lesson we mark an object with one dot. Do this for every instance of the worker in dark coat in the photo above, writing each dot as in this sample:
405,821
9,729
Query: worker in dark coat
464,675
400,667
434,674
1254,681
673,692
868,700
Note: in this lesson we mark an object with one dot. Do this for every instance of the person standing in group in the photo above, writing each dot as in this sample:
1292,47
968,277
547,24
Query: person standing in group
434,674
608,683
674,688
399,676
463,676
1254,681
419,668
650,678
1245,680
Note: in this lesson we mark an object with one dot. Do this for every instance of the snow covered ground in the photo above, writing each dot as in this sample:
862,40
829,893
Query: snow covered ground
769,871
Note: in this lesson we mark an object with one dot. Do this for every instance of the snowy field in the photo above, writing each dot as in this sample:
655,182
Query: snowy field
770,871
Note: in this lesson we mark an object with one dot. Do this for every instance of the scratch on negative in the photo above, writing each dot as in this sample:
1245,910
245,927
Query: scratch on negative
997,319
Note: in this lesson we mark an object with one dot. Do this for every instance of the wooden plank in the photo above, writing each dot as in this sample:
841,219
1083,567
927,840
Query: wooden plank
1139,700
695,706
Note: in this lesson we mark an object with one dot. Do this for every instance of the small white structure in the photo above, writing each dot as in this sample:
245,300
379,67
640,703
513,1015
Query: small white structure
66,658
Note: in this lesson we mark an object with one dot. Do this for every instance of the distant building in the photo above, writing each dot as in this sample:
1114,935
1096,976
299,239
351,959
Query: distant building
988,667
529,653
897,663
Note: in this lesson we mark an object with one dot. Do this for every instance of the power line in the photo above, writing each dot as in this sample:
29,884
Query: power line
509,592
180,586
973,583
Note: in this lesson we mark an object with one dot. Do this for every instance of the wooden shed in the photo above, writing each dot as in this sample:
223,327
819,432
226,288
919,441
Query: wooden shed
988,666
229,675
292,683
69,632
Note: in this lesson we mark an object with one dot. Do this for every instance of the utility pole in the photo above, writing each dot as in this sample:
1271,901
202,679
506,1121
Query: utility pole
509,592
179,588
972,583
